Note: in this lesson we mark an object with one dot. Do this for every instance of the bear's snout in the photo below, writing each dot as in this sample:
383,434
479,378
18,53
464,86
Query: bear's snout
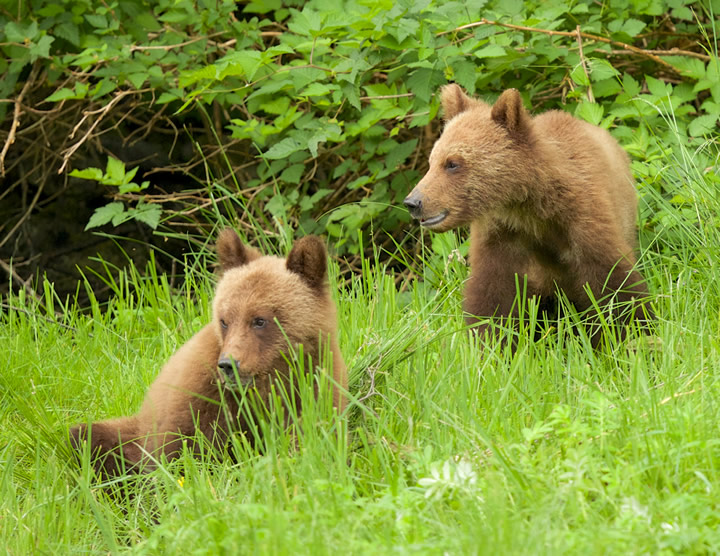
414,204
230,368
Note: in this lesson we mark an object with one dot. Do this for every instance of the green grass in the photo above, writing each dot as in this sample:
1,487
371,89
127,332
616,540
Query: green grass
455,445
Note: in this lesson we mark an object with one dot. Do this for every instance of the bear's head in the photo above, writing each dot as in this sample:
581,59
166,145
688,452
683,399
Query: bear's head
481,163
265,304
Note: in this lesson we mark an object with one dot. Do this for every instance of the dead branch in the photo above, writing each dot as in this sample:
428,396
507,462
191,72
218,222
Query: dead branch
635,50
101,112
16,117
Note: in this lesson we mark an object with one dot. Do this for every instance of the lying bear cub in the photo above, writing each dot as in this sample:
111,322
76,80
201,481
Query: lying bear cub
262,306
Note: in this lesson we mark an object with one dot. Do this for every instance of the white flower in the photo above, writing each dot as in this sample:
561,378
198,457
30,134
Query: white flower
455,474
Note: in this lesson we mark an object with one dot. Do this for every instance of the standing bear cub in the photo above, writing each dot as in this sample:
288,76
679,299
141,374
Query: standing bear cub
548,198
263,307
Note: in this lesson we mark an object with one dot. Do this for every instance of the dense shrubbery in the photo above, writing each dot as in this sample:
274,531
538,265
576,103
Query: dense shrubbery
318,114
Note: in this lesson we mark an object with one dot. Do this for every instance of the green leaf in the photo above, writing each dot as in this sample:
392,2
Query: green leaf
490,51
579,76
137,79
16,32
284,148
423,83
166,97
97,20
148,214
41,49
61,94
105,214
114,172
703,125
94,174
590,112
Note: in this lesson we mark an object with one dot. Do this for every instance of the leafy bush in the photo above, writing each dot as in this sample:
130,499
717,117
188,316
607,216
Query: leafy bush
320,115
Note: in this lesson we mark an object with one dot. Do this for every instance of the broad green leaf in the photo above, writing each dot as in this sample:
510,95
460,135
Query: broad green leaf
61,94
490,51
149,214
115,171
590,112
284,148
41,49
105,214
703,125
95,174
579,76
16,32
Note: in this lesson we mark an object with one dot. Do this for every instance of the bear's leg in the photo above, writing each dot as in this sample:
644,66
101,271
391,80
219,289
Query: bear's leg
618,280
112,444
495,269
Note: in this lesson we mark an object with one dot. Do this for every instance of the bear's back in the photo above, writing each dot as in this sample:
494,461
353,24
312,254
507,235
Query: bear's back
600,165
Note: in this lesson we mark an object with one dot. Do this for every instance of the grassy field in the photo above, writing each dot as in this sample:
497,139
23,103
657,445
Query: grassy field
455,446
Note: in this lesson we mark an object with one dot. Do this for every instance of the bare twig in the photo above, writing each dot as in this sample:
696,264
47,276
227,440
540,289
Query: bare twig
590,95
26,215
101,112
16,118
587,36
136,48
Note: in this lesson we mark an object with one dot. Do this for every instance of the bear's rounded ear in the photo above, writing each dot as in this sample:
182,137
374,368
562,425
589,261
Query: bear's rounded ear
509,112
308,259
454,101
231,251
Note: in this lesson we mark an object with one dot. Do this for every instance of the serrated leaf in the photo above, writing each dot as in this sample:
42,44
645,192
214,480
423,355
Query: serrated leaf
69,32
601,69
316,90
284,148
703,125
464,73
590,112
16,32
631,86
632,27
400,153
97,20
490,51
423,83
405,28
41,49
148,214
292,174
105,214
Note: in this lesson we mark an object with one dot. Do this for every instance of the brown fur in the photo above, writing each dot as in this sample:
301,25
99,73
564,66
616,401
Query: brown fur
548,197
243,342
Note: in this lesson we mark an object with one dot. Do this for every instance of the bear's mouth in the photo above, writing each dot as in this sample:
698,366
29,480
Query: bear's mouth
241,383
434,220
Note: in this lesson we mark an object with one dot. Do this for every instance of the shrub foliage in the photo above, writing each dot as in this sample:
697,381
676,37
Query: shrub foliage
320,115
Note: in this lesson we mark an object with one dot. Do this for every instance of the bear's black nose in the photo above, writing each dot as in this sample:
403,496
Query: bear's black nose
414,205
228,365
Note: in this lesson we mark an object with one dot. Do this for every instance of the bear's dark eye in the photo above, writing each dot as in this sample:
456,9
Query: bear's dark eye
259,322
223,324
451,165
